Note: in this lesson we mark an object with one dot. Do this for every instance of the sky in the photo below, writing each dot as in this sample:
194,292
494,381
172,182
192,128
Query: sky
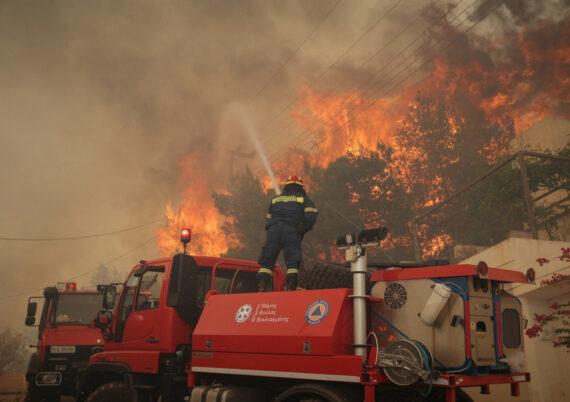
100,100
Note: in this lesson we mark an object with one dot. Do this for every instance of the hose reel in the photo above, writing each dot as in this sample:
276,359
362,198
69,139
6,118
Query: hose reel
405,362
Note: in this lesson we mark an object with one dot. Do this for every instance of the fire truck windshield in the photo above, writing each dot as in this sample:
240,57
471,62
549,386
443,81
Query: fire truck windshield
78,308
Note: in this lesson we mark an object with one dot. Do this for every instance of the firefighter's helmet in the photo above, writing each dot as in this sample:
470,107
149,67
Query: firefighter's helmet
294,180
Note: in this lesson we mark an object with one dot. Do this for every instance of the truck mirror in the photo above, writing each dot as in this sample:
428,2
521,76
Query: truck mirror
109,297
183,288
32,308
31,314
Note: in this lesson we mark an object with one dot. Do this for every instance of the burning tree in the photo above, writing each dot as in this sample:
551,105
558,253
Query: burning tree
435,136
244,205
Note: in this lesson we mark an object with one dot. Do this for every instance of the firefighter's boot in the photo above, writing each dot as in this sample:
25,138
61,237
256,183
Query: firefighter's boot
291,279
264,280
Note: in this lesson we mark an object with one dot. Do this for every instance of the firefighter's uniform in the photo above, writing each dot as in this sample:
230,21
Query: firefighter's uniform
289,216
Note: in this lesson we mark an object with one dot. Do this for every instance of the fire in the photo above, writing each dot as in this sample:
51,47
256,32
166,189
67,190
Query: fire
197,211
516,76
522,76
338,126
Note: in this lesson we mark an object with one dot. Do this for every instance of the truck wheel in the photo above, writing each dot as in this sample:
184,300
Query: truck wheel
318,393
113,392
35,394
320,275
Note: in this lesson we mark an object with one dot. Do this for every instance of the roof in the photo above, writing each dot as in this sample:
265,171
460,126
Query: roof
207,261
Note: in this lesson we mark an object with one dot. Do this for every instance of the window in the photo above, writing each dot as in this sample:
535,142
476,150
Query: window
480,284
481,328
78,308
129,297
150,288
511,328
235,281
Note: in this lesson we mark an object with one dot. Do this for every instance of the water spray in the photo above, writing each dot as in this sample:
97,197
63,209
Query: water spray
242,114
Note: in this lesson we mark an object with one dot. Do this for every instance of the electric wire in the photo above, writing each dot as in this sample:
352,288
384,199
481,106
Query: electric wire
331,66
365,62
296,51
322,121
139,246
370,104
81,237
405,78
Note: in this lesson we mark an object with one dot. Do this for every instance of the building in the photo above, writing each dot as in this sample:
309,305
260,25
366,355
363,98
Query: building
549,366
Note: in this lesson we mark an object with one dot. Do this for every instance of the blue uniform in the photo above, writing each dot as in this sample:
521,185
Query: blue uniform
289,217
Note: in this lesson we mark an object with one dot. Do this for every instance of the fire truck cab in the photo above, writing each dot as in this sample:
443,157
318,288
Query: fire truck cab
150,326
66,339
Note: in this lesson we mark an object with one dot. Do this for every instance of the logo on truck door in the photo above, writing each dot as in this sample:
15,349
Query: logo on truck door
243,313
317,312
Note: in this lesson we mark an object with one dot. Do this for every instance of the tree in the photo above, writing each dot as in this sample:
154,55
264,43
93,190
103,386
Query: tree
550,178
13,351
245,204
354,192
105,275
437,151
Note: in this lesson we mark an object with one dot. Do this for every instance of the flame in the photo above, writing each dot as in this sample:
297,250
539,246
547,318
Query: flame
337,125
198,211
531,84
515,76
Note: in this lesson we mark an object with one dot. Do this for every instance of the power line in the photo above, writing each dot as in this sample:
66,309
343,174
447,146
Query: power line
141,245
89,236
338,59
413,72
322,121
292,55
367,61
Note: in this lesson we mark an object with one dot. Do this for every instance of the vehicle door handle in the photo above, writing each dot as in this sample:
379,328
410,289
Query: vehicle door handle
152,340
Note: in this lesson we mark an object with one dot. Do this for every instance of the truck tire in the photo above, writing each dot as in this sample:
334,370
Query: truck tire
321,275
113,392
319,393
35,394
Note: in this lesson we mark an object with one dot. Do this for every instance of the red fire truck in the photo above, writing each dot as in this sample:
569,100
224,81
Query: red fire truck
66,339
193,328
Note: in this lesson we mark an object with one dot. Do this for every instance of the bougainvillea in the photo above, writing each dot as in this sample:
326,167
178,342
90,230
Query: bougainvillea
557,320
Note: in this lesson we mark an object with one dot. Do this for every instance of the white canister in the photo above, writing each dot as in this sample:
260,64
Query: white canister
435,303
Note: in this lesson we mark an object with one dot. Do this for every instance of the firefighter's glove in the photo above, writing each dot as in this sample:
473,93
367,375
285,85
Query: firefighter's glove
291,279
264,282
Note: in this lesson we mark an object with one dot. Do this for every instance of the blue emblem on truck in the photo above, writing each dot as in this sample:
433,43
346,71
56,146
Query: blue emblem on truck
317,312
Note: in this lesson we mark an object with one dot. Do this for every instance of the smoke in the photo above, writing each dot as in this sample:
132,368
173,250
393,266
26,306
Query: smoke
102,100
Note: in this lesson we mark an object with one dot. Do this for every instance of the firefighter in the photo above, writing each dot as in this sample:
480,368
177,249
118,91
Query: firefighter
289,217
